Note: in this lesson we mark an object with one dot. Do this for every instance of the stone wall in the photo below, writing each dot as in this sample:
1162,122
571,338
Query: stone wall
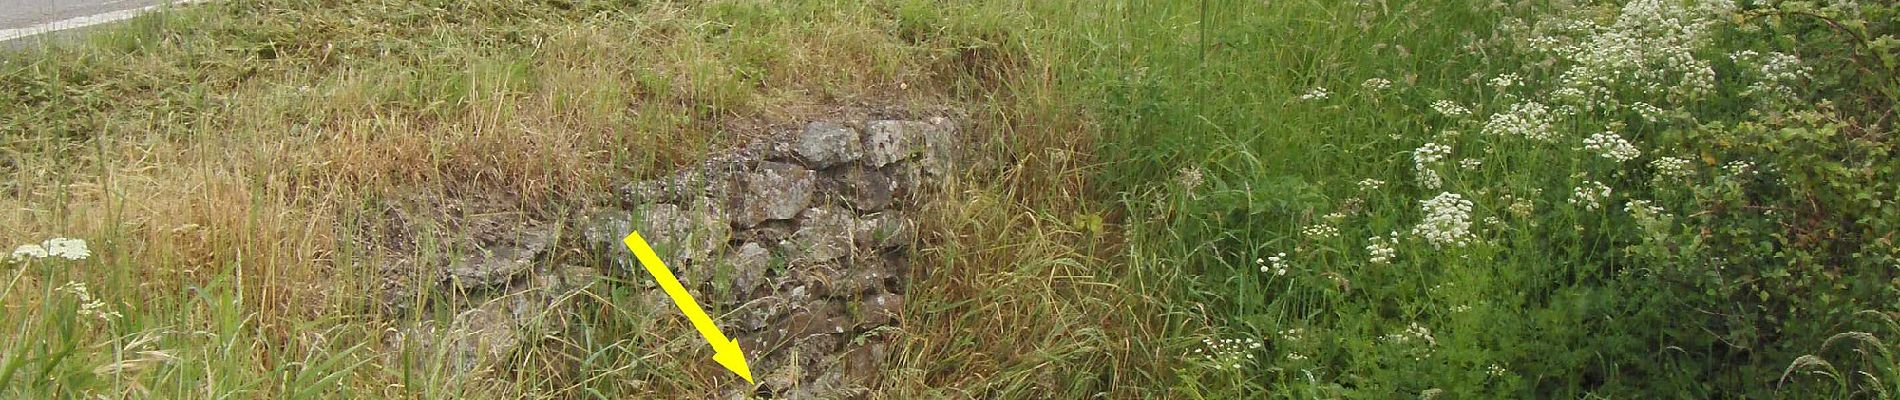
796,246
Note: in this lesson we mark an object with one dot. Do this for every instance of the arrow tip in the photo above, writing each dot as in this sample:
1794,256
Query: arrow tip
728,355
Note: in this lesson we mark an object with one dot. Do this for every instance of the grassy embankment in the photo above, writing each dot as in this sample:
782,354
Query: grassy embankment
1148,165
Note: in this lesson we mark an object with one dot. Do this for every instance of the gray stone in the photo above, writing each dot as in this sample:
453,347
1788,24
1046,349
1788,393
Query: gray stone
857,282
906,180
885,230
940,147
824,234
646,192
870,189
887,141
776,191
867,361
748,263
879,310
497,263
682,234
602,231
824,144
474,338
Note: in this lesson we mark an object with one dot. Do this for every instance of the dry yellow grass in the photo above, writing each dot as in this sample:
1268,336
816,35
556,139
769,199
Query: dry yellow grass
227,146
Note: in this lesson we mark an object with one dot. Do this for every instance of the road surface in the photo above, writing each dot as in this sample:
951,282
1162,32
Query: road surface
22,18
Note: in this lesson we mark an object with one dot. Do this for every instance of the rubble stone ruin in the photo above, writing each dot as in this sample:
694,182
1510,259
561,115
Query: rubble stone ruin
797,246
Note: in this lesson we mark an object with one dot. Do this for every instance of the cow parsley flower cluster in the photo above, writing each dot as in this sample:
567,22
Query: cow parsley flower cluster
1321,231
1275,264
1643,209
1496,371
1450,108
1505,81
1228,354
1317,93
1293,335
1377,84
88,306
1382,249
1530,120
1424,158
1590,195
1369,184
1672,167
1612,146
1189,178
1521,207
1650,47
1776,75
1649,112
1651,218
1447,221
1414,333
71,249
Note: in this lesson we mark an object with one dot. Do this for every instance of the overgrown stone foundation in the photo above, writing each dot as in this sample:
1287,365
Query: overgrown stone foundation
799,246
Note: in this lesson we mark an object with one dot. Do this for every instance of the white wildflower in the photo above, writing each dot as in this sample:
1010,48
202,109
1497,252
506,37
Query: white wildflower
1293,335
1450,108
1321,231
1228,354
1675,167
1382,249
1651,47
1471,164
1777,74
1377,84
1612,146
1424,158
1739,167
88,306
1522,207
71,249
1447,221
1317,93
1413,333
28,251
1590,195
1275,264
1649,112
1644,210
1370,184
1189,177
1530,120
1505,81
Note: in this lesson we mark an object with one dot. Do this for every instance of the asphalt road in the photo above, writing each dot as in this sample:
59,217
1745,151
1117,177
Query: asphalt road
36,15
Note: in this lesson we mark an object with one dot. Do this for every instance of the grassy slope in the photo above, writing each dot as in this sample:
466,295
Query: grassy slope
1143,155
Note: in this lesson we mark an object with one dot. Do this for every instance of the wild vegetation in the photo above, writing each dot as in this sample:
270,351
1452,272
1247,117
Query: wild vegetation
1213,199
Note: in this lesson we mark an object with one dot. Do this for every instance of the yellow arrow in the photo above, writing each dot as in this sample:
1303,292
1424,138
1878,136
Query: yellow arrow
725,351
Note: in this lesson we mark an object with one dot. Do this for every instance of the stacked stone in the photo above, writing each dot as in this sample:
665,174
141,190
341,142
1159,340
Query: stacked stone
796,245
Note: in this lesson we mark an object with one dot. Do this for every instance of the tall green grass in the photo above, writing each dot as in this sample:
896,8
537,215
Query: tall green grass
1223,167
